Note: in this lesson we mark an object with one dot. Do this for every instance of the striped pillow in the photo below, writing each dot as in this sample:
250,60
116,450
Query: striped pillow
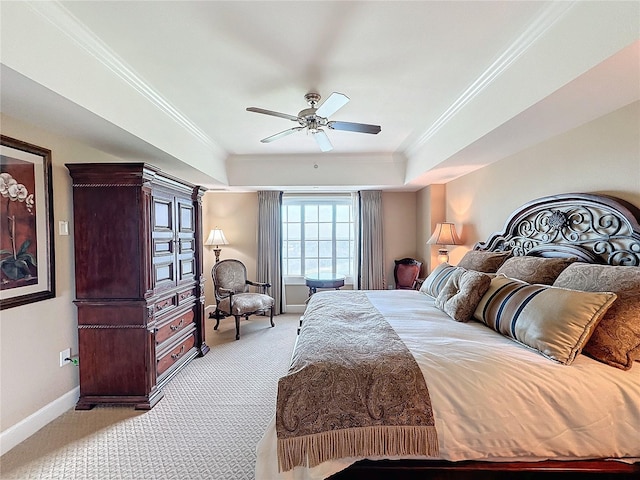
557,322
436,281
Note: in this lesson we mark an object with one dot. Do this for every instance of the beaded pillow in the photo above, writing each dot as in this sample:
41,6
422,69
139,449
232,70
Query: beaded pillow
557,322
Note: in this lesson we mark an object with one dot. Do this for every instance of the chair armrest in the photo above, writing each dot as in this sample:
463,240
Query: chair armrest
225,291
258,284
262,285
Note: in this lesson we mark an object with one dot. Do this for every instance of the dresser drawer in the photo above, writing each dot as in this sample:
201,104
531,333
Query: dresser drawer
176,354
173,325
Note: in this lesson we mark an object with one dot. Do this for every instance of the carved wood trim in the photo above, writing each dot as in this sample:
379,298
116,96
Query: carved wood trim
595,228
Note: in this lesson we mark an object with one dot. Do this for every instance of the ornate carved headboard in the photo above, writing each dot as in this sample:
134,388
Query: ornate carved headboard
594,228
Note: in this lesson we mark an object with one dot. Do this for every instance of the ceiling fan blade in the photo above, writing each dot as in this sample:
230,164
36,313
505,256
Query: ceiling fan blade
354,127
323,141
281,134
332,104
272,113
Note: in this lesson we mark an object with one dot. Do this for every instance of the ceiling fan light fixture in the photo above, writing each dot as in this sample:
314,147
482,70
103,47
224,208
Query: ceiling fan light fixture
313,119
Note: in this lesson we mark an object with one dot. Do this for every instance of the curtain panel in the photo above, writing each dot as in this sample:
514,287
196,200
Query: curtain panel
371,254
269,268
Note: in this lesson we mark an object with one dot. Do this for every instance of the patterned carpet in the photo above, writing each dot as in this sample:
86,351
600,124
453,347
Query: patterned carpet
206,427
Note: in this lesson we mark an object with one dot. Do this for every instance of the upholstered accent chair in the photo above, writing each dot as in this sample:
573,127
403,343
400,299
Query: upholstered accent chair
406,273
233,295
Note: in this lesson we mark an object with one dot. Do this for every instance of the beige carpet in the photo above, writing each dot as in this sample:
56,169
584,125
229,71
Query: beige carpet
206,427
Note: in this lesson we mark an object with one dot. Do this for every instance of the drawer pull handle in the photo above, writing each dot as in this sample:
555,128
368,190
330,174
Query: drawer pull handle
179,325
175,356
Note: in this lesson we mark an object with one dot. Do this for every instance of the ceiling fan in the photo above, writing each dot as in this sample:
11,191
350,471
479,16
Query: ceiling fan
315,118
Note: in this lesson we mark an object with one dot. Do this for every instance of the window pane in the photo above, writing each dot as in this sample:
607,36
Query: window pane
326,249
311,213
311,249
310,266
293,249
293,231
343,213
342,249
343,267
311,231
326,265
293,267
325,231
325,213
342,231
293,213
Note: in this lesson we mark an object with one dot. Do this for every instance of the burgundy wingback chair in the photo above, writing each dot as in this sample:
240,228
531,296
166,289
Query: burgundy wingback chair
406,273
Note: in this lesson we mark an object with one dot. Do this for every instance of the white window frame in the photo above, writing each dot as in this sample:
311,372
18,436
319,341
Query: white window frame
319,199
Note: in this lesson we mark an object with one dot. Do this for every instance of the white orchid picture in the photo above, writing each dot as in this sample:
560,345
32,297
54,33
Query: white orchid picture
26,237
17,262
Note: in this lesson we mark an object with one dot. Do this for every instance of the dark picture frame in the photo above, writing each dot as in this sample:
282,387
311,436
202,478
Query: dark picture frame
27,266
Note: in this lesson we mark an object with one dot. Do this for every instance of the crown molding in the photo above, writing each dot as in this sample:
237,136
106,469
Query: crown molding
72,27
534,31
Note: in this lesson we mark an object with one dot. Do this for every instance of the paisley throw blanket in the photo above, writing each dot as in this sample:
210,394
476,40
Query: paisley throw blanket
353,388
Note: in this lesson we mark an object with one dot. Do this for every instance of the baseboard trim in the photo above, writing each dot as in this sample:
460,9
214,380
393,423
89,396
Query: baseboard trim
22,430
296,308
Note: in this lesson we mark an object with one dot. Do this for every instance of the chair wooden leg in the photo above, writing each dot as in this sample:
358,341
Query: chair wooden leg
217,320
237,327
271,317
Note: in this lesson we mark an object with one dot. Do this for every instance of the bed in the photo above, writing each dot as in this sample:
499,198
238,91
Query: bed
519,360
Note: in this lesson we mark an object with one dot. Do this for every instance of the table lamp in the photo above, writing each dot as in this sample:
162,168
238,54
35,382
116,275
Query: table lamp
216,238
444,234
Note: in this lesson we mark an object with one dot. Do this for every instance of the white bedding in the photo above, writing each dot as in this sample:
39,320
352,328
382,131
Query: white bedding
496,400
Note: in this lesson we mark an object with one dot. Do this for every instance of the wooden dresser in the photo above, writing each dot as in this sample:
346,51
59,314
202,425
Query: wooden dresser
139,282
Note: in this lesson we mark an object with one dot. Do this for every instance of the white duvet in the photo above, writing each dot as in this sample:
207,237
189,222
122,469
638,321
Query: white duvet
496,400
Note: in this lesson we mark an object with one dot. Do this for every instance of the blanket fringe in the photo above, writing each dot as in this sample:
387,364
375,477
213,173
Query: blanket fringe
312,450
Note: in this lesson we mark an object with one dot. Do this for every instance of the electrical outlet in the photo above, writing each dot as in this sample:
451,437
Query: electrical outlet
65,357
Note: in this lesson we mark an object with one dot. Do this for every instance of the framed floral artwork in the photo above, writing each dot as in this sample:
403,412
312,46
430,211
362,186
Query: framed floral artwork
26,224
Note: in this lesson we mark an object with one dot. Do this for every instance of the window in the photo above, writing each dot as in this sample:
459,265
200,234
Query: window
318,235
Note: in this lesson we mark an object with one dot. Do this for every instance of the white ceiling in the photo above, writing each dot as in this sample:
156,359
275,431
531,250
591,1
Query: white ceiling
454,85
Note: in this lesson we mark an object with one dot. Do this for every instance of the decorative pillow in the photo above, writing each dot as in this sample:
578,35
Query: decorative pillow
487,262
437,279
460,296
535,269
616,339
557,322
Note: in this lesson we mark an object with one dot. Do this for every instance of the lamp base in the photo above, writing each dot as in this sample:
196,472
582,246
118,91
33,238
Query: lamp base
217,253
443,256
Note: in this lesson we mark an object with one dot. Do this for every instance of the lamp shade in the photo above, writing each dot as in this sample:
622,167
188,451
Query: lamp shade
216,237
444,234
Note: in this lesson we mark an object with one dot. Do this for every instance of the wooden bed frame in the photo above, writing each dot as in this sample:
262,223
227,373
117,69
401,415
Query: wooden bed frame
596,229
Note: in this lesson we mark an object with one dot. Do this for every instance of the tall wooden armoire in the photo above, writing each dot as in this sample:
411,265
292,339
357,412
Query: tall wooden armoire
139,282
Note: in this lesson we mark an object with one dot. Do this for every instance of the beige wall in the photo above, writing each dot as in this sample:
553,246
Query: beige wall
400,224
237,215
602,156
430,209
32,336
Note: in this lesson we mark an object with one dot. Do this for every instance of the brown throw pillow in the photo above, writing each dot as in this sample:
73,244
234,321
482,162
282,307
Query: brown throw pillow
616,339
487,262
460,296
535,269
